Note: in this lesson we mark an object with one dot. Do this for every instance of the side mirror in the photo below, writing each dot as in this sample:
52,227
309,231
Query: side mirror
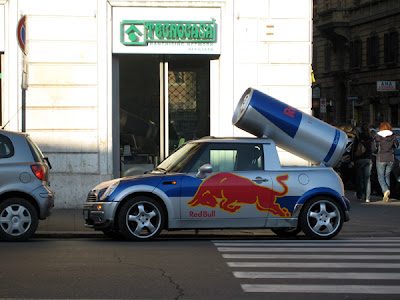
203,170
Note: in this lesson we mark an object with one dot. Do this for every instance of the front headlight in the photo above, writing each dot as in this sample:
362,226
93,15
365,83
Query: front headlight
109,190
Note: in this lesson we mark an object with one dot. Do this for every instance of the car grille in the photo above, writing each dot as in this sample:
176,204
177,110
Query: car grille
92,197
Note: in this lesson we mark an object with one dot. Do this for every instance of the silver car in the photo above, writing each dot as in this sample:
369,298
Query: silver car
221,183
25,195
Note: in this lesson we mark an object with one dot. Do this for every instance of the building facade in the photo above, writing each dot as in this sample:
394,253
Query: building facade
356,61
109,88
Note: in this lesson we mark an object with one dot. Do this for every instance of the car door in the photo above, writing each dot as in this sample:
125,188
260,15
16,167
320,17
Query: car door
235,194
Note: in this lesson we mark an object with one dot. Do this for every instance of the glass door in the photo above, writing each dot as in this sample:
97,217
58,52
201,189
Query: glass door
188,99
163,102
139,113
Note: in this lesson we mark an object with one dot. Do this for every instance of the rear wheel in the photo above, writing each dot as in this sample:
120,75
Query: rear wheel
141,218
18,220
321,218
286,232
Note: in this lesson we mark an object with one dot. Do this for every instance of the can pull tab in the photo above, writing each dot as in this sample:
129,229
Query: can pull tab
260,179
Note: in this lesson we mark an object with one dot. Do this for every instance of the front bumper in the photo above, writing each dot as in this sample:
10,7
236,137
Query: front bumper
99,215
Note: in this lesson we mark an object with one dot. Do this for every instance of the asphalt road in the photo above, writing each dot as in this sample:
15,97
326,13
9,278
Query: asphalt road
201,269
362,262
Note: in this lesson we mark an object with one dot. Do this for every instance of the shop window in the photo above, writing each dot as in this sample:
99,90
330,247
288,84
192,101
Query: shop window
391,45
355,53
373,50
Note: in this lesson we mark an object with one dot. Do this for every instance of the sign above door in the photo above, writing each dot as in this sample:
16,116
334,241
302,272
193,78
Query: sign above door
197,33
141,33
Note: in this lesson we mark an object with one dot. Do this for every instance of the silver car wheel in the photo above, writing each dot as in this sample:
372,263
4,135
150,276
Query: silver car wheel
321,218
15,220
18,219
141,218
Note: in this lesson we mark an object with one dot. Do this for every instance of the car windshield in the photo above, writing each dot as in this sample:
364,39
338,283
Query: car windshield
177,160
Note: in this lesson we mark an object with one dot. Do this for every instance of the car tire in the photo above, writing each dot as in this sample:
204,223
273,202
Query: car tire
18,220
286,232
140,218
321,218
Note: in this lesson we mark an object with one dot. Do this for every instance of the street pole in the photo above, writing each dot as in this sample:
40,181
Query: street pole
24,86
21,38
23,108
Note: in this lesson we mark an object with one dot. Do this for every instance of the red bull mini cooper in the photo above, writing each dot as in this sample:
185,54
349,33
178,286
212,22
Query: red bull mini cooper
221,183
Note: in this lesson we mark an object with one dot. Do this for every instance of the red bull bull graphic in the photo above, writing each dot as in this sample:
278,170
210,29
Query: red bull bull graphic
230,192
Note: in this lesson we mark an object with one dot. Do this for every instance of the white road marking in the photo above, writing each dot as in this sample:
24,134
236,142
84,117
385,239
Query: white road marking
324,265
329,289
318,275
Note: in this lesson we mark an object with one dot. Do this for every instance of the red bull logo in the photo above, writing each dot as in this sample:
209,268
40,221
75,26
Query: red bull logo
230,191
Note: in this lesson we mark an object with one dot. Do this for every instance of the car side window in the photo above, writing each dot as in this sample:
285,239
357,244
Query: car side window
250,158
6,147
225,157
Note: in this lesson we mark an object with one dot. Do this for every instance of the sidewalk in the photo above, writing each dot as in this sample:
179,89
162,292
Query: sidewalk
65,223
381,219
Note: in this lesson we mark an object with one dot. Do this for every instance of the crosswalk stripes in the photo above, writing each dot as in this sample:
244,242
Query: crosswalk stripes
296,266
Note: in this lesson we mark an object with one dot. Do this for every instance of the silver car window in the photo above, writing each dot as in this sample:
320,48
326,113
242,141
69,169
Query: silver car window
6,147
225,157
36,153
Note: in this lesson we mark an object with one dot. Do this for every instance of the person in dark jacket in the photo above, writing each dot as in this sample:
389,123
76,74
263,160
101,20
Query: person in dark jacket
385,142
363,163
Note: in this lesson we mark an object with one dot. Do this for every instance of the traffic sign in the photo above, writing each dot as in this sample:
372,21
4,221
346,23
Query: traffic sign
21,33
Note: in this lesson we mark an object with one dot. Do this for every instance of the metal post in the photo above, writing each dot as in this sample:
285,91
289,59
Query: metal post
24,87
23,109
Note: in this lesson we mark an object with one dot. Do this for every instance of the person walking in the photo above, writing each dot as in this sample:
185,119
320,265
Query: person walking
362,160
384,144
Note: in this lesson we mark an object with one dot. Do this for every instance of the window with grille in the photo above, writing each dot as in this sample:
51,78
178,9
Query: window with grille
188,102
373,50
182,104
328,50
391,45
355,53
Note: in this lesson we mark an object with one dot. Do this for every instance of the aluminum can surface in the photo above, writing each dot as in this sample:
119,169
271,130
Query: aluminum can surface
291,129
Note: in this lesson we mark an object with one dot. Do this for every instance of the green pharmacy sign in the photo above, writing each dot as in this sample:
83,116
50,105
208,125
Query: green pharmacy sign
140,33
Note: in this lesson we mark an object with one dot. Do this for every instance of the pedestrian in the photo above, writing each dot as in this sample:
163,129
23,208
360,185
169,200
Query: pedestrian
384,144
362,160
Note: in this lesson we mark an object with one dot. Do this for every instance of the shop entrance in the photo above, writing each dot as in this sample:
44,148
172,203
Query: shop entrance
164,100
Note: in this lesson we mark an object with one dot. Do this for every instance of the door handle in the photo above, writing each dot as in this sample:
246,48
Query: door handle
260,179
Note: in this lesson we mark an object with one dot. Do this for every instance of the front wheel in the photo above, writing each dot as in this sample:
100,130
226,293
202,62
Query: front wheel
321,218
140,218
18,220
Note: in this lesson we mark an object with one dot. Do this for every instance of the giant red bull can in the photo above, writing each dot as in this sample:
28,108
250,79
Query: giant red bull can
291,129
